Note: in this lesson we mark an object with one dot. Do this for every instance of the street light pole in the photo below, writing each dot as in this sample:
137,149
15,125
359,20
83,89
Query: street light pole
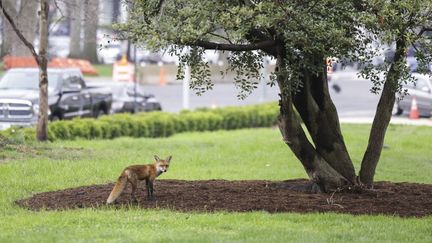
263,81
186,82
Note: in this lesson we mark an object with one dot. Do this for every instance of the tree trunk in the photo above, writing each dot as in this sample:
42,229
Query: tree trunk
75,28
314,104
41,131
318,169
90,30
116,6
382,116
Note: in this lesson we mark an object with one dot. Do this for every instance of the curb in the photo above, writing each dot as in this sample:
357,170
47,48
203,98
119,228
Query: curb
394,121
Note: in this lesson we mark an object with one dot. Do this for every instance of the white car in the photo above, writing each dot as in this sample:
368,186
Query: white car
422,91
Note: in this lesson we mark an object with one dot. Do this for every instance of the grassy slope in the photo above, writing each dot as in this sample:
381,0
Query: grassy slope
244,154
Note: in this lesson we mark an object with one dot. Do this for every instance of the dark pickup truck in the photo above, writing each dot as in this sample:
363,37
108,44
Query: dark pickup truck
68,96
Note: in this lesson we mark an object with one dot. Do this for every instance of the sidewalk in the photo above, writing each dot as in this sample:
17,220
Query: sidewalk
394,120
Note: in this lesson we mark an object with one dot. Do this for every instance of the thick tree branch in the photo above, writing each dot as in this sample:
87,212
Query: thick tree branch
318,170
256,35
382,117
18,32
314,104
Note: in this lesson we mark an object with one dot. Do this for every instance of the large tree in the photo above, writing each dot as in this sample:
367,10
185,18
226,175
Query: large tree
300,35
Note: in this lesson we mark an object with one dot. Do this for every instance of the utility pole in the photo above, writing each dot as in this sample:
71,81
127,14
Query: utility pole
135,79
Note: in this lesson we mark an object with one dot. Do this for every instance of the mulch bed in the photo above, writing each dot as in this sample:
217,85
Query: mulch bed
387,198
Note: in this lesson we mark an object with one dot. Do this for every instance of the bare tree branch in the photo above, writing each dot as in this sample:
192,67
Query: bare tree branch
234,47
19,33
221,37
62,16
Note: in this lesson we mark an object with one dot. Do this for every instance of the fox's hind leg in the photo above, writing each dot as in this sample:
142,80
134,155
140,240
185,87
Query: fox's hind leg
134,182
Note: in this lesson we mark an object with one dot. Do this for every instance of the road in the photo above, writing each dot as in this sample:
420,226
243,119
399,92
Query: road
354,99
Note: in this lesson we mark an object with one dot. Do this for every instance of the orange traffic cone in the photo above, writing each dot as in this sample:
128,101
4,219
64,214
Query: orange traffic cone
162,81
414,114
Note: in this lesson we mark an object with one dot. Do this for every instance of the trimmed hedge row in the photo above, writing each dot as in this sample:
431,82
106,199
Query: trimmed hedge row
155,124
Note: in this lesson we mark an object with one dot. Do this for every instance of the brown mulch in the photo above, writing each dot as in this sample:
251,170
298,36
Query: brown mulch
400,199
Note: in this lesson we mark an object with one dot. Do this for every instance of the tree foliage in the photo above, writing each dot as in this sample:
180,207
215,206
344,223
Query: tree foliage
389,21
304,28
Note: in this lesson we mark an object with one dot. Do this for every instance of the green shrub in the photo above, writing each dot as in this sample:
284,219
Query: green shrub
160,124
79,128
154,124
20,135
60,130
180,124
142,128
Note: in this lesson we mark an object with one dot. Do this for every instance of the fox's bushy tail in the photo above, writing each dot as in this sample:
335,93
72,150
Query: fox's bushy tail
118,188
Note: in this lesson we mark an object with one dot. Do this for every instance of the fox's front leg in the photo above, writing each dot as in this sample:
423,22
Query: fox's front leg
150,190
147,188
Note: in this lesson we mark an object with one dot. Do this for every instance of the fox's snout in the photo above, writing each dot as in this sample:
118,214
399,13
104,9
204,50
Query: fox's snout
162,169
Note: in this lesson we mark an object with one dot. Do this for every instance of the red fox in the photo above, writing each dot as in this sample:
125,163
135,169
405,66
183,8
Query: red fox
135,173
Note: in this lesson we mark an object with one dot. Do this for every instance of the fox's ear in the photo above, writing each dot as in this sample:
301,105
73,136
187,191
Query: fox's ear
168,159
157,158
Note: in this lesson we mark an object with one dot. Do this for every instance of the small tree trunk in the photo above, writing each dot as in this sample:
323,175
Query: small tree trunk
41,60
382,117
42,126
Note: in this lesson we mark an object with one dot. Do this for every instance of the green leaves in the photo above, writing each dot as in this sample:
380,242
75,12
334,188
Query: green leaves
304,34
247,67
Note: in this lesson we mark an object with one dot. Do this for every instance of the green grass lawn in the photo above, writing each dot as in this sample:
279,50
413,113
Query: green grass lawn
233,155
104,70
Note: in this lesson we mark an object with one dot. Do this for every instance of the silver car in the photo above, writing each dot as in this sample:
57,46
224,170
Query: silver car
422,91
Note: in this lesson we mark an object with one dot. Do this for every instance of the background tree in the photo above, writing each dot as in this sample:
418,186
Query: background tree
300,35
41,60
24,14
90,30
75,18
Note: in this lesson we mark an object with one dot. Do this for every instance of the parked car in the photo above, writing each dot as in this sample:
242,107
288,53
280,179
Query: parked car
126,100
110,53
422,91
68,96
